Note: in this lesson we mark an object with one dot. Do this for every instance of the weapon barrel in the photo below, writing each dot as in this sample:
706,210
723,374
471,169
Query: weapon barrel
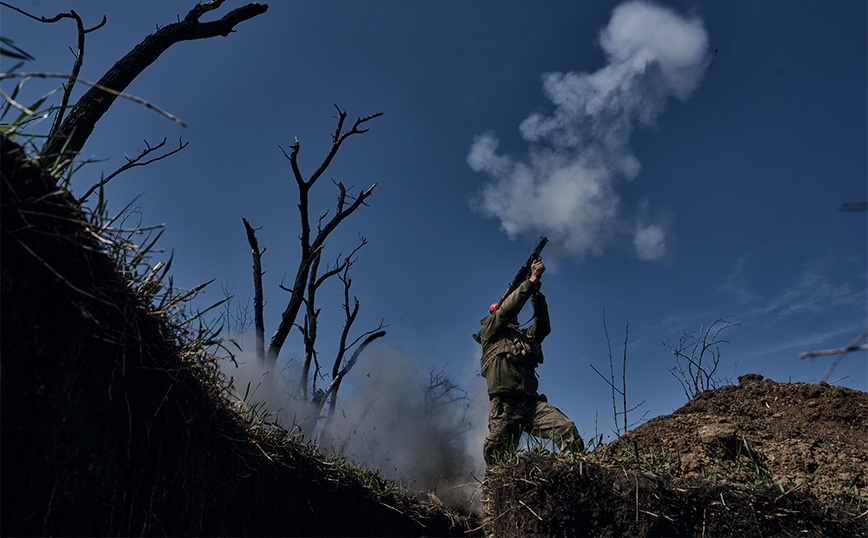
524,272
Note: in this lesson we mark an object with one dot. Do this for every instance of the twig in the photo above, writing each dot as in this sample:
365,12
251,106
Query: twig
263,451
612,372
489,522
402,513
624,374
132,163
845,349
840,352
852,207
531,509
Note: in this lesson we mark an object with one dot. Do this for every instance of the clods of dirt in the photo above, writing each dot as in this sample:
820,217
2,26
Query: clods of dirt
759,458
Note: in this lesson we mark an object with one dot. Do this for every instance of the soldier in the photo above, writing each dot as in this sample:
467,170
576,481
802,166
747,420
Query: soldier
510,356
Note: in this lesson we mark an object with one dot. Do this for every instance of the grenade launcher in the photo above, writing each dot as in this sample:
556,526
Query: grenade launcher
524,272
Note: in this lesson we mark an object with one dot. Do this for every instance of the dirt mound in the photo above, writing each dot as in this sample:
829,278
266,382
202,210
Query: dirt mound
110,427
793,434
761,458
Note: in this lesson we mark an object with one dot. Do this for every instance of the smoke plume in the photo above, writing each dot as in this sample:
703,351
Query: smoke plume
419,428
566,187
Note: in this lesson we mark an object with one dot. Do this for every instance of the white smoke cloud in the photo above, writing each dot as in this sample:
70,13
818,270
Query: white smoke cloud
384,421
388,423
566,186
650,242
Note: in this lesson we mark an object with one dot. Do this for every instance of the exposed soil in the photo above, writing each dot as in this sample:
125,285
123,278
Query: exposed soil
799,433
757,459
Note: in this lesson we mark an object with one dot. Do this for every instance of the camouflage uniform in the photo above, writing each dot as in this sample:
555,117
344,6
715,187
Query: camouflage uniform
509,360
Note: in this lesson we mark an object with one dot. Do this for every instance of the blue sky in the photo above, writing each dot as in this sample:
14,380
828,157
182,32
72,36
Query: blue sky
730,147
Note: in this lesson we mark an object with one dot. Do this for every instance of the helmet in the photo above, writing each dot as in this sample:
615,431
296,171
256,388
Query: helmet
492,308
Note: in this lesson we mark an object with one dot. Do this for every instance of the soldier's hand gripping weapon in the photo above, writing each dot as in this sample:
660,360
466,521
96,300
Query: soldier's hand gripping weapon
524,272
521,276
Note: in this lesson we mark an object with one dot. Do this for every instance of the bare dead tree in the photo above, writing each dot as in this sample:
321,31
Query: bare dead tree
697,356
69,138
311,244
308,281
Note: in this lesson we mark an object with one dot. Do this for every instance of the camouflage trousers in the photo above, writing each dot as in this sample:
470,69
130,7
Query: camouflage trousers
509,416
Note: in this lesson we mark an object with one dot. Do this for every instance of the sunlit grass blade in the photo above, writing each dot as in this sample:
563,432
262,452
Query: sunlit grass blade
9,49
30,112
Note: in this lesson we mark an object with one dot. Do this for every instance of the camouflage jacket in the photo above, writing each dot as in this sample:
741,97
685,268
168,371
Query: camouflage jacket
510,355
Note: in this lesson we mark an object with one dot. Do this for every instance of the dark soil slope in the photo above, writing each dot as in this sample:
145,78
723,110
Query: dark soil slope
108,430
757,459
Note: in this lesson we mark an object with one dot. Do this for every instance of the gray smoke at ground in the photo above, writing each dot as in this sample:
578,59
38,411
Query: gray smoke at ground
567,185
420,428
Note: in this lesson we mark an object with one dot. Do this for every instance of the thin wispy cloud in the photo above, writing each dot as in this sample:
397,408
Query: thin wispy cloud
813,291
567,185
809,341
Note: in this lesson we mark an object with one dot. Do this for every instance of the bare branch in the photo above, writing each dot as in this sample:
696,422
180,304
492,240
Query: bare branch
308,246
697,372
309,331
853,207
79,124
132,163
336,381
612,374
338,139
53,19
846,349
76,67
624,374
614,388
852,346
611,381
16,104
